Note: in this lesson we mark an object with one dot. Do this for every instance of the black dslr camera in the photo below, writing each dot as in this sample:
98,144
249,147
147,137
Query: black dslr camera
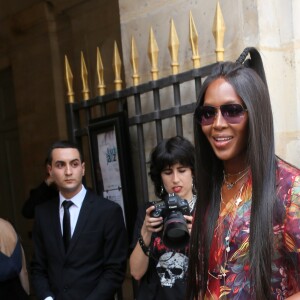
172,209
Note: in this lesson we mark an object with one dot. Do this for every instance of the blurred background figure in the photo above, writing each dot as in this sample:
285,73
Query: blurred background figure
14,283
45,191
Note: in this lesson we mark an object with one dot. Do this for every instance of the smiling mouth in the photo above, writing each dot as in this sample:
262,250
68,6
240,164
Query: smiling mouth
222,139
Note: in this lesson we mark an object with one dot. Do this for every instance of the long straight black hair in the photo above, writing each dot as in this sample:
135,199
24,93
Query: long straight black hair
248,79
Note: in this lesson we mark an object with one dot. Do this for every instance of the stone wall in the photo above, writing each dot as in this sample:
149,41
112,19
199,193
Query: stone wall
271,26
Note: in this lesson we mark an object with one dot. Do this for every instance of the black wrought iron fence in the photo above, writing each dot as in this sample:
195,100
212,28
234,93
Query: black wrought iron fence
158,103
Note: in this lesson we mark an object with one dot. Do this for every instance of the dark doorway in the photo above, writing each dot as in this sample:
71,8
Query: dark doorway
11,185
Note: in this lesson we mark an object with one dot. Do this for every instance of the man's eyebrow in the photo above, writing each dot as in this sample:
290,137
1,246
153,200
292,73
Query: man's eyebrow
76,159
63,162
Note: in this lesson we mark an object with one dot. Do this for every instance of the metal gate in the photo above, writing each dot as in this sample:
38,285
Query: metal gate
161,103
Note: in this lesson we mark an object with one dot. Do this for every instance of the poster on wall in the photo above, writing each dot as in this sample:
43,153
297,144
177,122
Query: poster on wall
112,172
109,165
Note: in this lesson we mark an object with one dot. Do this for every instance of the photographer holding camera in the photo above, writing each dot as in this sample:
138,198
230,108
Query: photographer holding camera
159,259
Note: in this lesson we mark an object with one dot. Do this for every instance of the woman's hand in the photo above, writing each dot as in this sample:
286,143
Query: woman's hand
138,259
151,224
189,222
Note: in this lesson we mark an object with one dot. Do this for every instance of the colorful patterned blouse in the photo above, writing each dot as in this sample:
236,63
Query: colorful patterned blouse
229,257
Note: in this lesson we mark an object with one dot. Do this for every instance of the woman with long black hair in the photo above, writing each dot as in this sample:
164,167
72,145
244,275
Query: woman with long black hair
246,234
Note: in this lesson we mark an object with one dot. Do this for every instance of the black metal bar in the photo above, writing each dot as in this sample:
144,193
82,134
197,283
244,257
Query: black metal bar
158,123
141,150
72,121
87,116
122,105
198,83
177,102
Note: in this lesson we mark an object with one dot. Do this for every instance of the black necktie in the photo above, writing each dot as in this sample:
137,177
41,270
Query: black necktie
66,223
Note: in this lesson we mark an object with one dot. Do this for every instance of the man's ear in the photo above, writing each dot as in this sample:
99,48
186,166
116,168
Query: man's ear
49,169
83,168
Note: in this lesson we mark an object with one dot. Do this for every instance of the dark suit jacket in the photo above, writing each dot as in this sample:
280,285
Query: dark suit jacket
94,266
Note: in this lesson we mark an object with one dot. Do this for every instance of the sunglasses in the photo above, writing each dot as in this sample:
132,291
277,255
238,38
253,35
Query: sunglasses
232,113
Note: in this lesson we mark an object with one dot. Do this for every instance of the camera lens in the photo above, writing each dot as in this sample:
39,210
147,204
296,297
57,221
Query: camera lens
176,234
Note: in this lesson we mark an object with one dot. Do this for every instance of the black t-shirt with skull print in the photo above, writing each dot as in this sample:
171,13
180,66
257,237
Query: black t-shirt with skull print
166,275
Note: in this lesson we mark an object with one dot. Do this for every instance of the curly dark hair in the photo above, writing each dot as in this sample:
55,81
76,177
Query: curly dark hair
168,152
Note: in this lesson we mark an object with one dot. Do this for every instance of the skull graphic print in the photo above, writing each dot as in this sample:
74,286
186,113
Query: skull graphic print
171,267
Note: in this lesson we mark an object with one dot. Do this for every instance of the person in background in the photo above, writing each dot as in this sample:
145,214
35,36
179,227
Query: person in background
80,240
44,192
245,239
14,284
161,270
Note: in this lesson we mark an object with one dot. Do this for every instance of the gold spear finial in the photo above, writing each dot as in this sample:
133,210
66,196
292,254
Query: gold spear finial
69,81
173,48
194,42
117,68
153,55
218,32
134,62
100,74
84,78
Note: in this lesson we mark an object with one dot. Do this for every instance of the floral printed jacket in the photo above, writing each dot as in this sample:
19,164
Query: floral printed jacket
229,257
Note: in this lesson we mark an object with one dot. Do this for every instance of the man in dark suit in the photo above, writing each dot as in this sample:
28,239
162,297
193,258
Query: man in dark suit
80,252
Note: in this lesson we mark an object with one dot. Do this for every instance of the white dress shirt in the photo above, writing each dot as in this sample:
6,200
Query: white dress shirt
74,209
74,212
